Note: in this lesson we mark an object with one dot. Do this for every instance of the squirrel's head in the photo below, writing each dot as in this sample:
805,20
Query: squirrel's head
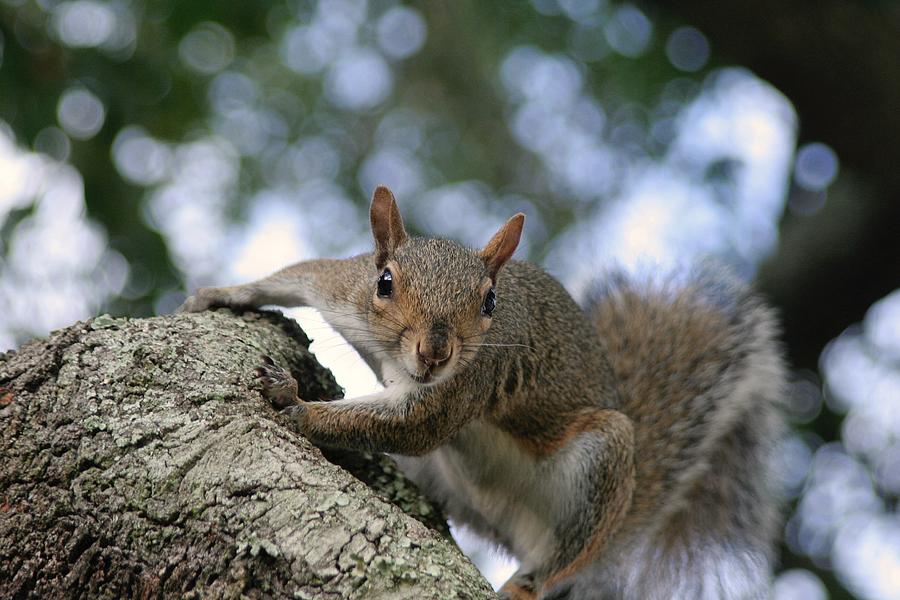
432,300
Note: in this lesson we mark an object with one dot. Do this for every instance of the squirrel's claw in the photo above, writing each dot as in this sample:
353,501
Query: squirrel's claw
279,387
192,304
206,299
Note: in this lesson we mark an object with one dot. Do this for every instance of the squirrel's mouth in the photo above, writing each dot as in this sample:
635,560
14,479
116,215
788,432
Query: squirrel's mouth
425,377
429,375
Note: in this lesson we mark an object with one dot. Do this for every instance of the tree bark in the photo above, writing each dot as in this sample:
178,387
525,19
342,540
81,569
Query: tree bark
140,460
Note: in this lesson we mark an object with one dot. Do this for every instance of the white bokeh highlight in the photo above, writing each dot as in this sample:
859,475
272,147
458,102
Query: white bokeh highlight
56,267
80,113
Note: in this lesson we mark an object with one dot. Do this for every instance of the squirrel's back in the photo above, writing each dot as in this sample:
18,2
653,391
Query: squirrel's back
700,374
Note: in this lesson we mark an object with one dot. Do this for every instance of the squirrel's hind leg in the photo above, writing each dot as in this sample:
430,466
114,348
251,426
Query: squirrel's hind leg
601,493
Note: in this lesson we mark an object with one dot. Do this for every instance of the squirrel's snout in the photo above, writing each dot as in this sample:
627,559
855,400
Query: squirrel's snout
432,357
431,354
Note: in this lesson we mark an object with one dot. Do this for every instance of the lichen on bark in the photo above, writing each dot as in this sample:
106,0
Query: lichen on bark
140,460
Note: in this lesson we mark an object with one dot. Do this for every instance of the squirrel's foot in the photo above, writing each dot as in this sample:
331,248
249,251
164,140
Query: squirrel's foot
562,591
519,587
209,298
514,593
279,387
203,299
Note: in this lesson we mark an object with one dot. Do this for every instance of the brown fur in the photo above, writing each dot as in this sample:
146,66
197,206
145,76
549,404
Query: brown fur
512,591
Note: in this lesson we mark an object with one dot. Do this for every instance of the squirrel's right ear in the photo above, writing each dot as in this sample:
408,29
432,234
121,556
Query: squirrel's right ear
387,226
502,245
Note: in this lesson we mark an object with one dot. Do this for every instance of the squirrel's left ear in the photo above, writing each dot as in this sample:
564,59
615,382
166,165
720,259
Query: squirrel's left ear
387,225
502,245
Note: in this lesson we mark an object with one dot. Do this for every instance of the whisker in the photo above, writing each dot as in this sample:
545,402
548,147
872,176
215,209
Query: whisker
362,334
384,315
360,330
473,345
366,330
344,355
360,314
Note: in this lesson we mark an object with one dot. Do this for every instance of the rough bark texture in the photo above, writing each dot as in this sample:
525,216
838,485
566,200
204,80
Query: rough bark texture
140,460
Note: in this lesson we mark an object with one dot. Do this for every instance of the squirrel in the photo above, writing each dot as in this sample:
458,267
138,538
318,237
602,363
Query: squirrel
618,451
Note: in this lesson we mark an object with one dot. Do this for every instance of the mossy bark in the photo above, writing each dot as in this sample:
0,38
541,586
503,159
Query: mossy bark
140,460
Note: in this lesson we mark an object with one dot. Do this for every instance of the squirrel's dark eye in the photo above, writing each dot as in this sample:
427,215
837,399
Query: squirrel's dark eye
385,284
490,301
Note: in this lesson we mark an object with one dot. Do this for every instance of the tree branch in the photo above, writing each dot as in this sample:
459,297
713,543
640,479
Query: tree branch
140,460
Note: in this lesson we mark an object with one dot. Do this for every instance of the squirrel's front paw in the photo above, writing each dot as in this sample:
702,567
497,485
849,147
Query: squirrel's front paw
191,304
202,300
279,387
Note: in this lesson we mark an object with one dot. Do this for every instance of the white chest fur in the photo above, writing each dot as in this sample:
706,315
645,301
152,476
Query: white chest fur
488,482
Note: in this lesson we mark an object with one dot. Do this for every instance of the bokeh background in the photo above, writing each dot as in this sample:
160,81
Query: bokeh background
149,147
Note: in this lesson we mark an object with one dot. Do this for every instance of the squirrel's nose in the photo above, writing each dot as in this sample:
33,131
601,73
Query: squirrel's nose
431,358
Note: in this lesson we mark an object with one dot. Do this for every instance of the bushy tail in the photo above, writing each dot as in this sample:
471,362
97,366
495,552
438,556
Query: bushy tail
700,374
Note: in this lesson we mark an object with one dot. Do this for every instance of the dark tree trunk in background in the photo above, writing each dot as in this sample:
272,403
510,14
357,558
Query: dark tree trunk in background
838,62
139,460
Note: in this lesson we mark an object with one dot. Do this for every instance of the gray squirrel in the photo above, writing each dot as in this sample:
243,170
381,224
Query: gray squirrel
618,451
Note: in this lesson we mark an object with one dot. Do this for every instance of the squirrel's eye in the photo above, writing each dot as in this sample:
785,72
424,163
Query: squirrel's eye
490,301
385,284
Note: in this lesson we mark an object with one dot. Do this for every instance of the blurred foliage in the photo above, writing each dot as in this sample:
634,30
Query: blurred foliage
452,80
